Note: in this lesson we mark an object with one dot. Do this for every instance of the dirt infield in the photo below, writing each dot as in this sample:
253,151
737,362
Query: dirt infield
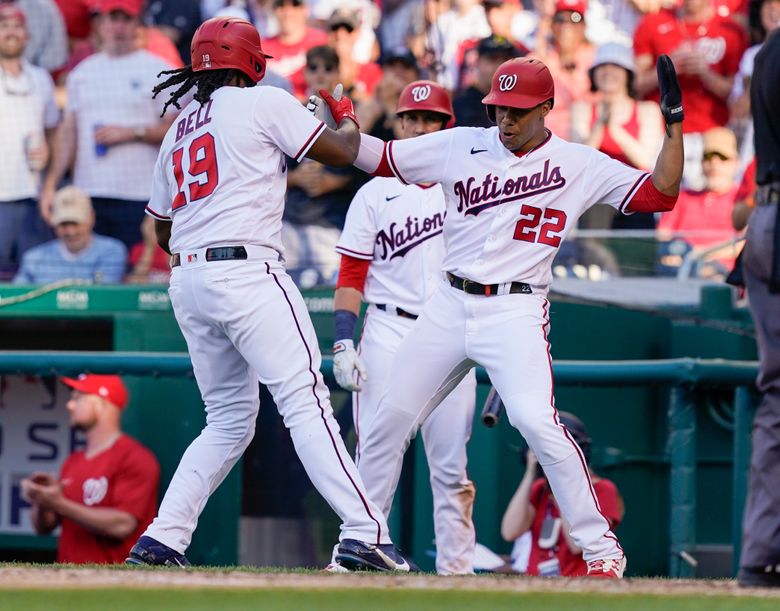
26,577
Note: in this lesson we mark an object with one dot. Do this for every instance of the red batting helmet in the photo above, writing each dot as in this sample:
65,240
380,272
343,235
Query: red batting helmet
519,83
426,95
228,42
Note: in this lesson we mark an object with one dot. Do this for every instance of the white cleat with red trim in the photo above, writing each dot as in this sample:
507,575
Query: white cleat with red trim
607,568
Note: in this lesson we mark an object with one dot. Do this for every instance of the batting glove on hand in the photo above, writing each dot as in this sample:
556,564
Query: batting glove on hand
320,110
340,106
345,362
671,96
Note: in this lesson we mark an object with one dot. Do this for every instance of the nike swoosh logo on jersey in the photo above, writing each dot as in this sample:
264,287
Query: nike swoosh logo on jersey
389,198
475,151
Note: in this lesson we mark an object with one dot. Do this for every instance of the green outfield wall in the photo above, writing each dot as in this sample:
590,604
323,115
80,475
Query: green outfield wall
628,426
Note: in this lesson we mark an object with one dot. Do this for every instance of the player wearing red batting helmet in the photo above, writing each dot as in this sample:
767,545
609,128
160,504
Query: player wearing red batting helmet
395,278
218,195
512,194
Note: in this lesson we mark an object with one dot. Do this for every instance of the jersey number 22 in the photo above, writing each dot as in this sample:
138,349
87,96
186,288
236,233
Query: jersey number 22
202,161
526,228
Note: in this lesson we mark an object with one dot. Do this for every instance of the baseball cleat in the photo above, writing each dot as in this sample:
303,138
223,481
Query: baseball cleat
607,568
356,555
152,552
335,567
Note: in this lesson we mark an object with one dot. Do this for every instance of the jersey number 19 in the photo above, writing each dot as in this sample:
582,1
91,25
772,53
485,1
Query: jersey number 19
202,158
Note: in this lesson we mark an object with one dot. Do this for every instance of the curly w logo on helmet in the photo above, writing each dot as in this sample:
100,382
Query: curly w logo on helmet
507,82
421,92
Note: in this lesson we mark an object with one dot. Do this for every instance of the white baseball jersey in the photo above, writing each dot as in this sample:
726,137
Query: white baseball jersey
221,174
399,229
507,214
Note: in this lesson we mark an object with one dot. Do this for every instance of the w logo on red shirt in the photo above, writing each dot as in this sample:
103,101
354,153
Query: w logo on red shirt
94,489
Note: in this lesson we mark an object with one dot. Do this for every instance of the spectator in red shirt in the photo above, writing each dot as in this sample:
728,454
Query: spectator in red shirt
704,217
553,553
706,48
288,48
106,494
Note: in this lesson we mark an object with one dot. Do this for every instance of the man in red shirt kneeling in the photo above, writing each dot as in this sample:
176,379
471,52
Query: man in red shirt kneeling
106,494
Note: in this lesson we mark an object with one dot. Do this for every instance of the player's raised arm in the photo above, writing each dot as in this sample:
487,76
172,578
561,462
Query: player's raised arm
660,193
669,165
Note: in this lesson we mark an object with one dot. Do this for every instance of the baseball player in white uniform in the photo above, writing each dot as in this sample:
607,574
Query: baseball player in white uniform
218,194
512,192
391,254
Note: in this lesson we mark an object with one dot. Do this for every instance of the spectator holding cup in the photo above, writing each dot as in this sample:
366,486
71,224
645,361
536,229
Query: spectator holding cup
112,126
28,114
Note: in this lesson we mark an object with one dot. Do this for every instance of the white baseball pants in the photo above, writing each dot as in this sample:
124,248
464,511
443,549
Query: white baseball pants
444,434
507,335
245,320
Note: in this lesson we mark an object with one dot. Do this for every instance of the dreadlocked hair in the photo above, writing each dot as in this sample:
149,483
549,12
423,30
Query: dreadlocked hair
206,83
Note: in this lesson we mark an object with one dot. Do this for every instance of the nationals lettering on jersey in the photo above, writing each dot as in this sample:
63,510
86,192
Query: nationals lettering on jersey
221,174
399,229
490,191
508,214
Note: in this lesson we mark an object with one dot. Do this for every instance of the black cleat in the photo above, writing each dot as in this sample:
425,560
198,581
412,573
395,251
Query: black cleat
152,552
766,577
356,555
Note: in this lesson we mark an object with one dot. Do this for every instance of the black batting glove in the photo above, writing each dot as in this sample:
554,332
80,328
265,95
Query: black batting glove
671,96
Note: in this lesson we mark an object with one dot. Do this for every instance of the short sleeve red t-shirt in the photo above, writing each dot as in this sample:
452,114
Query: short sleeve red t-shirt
124,477
721,39
548,542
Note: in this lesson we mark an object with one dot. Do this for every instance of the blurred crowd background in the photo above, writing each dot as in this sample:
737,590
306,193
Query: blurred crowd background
79,130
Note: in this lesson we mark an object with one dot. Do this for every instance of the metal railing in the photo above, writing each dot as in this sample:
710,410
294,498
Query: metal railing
683,375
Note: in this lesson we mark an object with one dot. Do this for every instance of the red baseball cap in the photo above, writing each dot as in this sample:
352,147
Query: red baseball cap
11,11
577,6
129,7
110,388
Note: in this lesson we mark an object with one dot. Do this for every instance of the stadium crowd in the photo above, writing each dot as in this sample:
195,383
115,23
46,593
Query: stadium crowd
76,111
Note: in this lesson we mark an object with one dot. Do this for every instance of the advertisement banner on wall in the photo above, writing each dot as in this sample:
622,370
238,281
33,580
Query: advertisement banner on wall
34,436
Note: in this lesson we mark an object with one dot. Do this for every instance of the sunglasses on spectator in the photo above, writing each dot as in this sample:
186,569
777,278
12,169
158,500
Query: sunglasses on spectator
567,17
712,155
279,3
337,26
316,67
